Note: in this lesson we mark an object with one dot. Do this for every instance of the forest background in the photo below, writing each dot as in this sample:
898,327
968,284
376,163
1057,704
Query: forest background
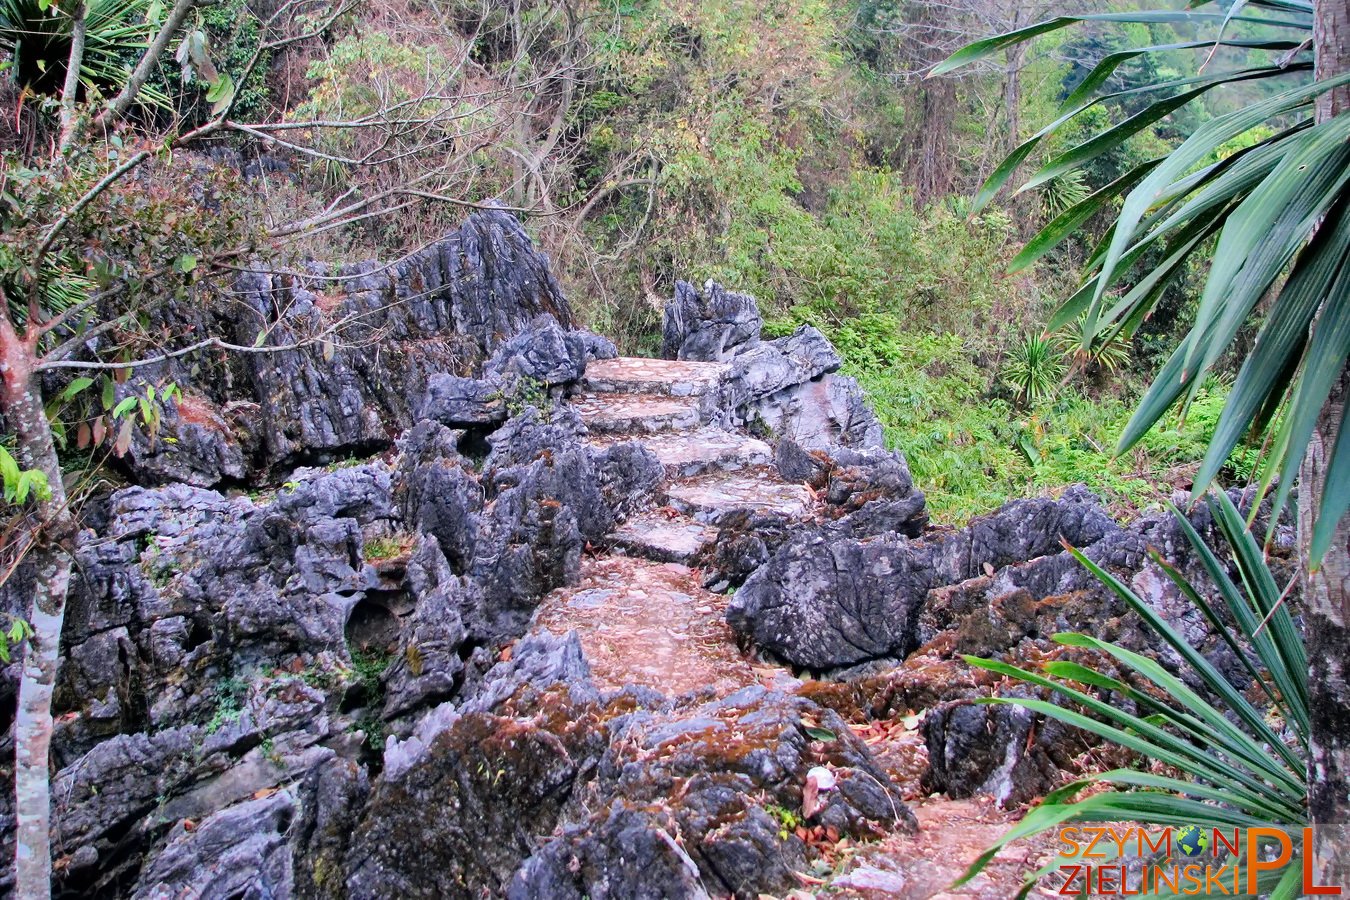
792,150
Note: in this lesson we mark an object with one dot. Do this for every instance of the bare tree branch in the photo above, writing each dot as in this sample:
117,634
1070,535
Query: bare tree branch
141,74
71,89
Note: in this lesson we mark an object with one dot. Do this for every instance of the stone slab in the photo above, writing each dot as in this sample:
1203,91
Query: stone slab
634,375
689,453
630,414
708,498
663,535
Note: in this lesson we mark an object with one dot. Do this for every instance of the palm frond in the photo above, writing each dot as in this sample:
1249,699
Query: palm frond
38,41
1239,764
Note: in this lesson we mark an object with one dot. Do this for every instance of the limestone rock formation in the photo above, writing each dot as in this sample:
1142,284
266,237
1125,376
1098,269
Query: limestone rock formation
784,387
496,654
837,597
370,336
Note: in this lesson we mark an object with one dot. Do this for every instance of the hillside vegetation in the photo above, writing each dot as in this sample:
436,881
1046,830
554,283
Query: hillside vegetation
788,150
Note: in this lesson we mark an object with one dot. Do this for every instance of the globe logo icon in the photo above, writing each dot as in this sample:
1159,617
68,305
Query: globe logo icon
1192,840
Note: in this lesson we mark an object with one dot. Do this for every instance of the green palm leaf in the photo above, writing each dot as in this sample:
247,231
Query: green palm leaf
1236,768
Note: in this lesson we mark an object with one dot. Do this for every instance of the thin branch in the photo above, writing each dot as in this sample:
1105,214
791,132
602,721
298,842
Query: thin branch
141,74
71,88
46,366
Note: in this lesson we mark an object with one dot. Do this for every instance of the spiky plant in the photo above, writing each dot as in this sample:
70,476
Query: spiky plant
37,37
1033,369
1239,762
1109,352
1064,192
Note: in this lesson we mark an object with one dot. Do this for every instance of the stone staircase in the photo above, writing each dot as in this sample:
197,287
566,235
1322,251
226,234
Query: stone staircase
675,410
641,612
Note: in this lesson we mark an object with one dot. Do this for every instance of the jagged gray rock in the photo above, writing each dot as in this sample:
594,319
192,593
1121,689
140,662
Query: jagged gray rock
548,354
630,473
834,597
501,780
441,311
1003,751
241,851
708,325
631,854
456,402
785,387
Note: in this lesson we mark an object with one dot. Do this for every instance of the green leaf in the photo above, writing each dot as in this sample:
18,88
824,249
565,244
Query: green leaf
821,734
125,406
9,473
1117,134
1005,169
76,385
1135,734
987,47
1290,680
21,487
1200,144
1264,233
185,263
1109,63
1268,371
1069,221
1205,723
221,94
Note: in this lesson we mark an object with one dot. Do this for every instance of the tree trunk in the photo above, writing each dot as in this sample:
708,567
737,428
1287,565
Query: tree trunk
1327,595
54,544
1328,592
933,171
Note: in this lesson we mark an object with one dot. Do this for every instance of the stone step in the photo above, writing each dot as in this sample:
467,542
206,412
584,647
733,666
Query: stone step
635,414
636,375
709,497
662,535
689,453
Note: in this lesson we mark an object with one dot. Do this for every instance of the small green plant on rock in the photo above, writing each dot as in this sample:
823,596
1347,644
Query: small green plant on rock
369,665
159,567
529,392
229,704
391,547
788,821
